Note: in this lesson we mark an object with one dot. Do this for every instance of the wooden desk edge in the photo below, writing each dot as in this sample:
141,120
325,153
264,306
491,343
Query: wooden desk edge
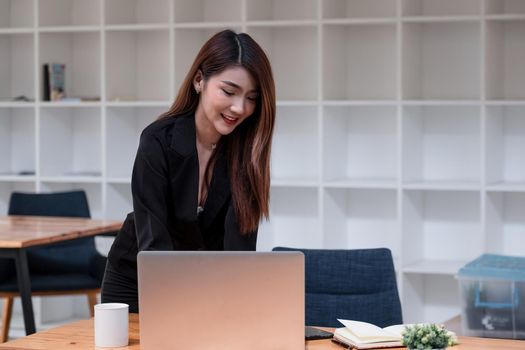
102,226
78,335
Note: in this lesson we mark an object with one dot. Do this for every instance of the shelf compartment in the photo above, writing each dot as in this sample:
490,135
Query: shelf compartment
57,13
441,61
6,188
339,9
119,180
505,223
517,186
16,14
363,183
281,10
70,103
294,220
17,104
440,185
434,267
361,219
505,138
17,178
503,7
17,142
414,8
505,50
435,222
208,11
188,42
163,104
16,66
80,52
137,11
295,133
505,103
441,144
360,143
294,182
295,79
447,103
138,65
70,142
83,177
359,62
429,298
119,201
93,193
124,126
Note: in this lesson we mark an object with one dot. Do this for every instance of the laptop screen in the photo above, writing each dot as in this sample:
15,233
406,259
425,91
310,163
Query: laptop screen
221,300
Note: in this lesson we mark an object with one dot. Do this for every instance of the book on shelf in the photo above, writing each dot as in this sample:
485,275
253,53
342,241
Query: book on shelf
46,96
54,81
364,335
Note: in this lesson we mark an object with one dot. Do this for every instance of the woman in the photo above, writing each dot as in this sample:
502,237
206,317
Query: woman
201,176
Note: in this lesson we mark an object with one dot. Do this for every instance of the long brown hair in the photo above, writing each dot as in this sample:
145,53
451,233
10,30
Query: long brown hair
248,146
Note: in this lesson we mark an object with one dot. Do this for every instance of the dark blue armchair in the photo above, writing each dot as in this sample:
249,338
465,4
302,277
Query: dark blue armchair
72,267
350,284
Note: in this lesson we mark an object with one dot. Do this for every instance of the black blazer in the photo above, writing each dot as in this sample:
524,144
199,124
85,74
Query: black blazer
164,184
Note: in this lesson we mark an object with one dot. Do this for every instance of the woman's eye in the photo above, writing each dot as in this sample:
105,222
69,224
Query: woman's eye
229,93
252,98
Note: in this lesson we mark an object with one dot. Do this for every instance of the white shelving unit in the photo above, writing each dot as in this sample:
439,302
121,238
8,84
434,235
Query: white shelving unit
401,123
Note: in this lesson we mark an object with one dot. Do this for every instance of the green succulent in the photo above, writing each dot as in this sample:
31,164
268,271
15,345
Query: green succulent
427,337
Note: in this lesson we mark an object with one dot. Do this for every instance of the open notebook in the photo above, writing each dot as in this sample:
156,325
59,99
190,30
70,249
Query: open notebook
363,335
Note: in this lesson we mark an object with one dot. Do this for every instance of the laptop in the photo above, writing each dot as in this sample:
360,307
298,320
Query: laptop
221,300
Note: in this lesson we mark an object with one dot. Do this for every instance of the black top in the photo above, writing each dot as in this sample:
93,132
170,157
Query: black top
164,184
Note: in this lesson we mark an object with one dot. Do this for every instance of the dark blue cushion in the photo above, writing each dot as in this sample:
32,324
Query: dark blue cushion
355,284
70,204
65,258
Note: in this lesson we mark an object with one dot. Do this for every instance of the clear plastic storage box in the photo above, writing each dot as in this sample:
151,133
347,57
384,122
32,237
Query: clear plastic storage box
492,289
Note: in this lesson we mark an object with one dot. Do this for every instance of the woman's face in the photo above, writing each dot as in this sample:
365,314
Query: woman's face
226,99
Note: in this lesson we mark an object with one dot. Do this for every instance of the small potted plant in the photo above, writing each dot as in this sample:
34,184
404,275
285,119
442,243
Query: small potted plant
427,337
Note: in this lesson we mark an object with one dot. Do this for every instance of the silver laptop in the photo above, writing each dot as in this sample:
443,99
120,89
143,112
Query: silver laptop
221,300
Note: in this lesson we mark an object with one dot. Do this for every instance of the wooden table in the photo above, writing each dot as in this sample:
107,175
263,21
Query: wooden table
79,336
17,233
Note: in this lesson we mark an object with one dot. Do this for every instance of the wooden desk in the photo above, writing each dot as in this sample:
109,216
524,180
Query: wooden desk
20,232
79,336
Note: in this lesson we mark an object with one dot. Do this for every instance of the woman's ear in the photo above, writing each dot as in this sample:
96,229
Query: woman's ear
197,81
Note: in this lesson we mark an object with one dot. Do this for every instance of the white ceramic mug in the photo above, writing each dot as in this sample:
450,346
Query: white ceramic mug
111,325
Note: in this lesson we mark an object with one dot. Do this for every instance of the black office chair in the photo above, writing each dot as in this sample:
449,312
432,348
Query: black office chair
73,267
350,284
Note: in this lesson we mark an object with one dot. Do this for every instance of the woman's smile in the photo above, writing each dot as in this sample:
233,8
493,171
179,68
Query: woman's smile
229,120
